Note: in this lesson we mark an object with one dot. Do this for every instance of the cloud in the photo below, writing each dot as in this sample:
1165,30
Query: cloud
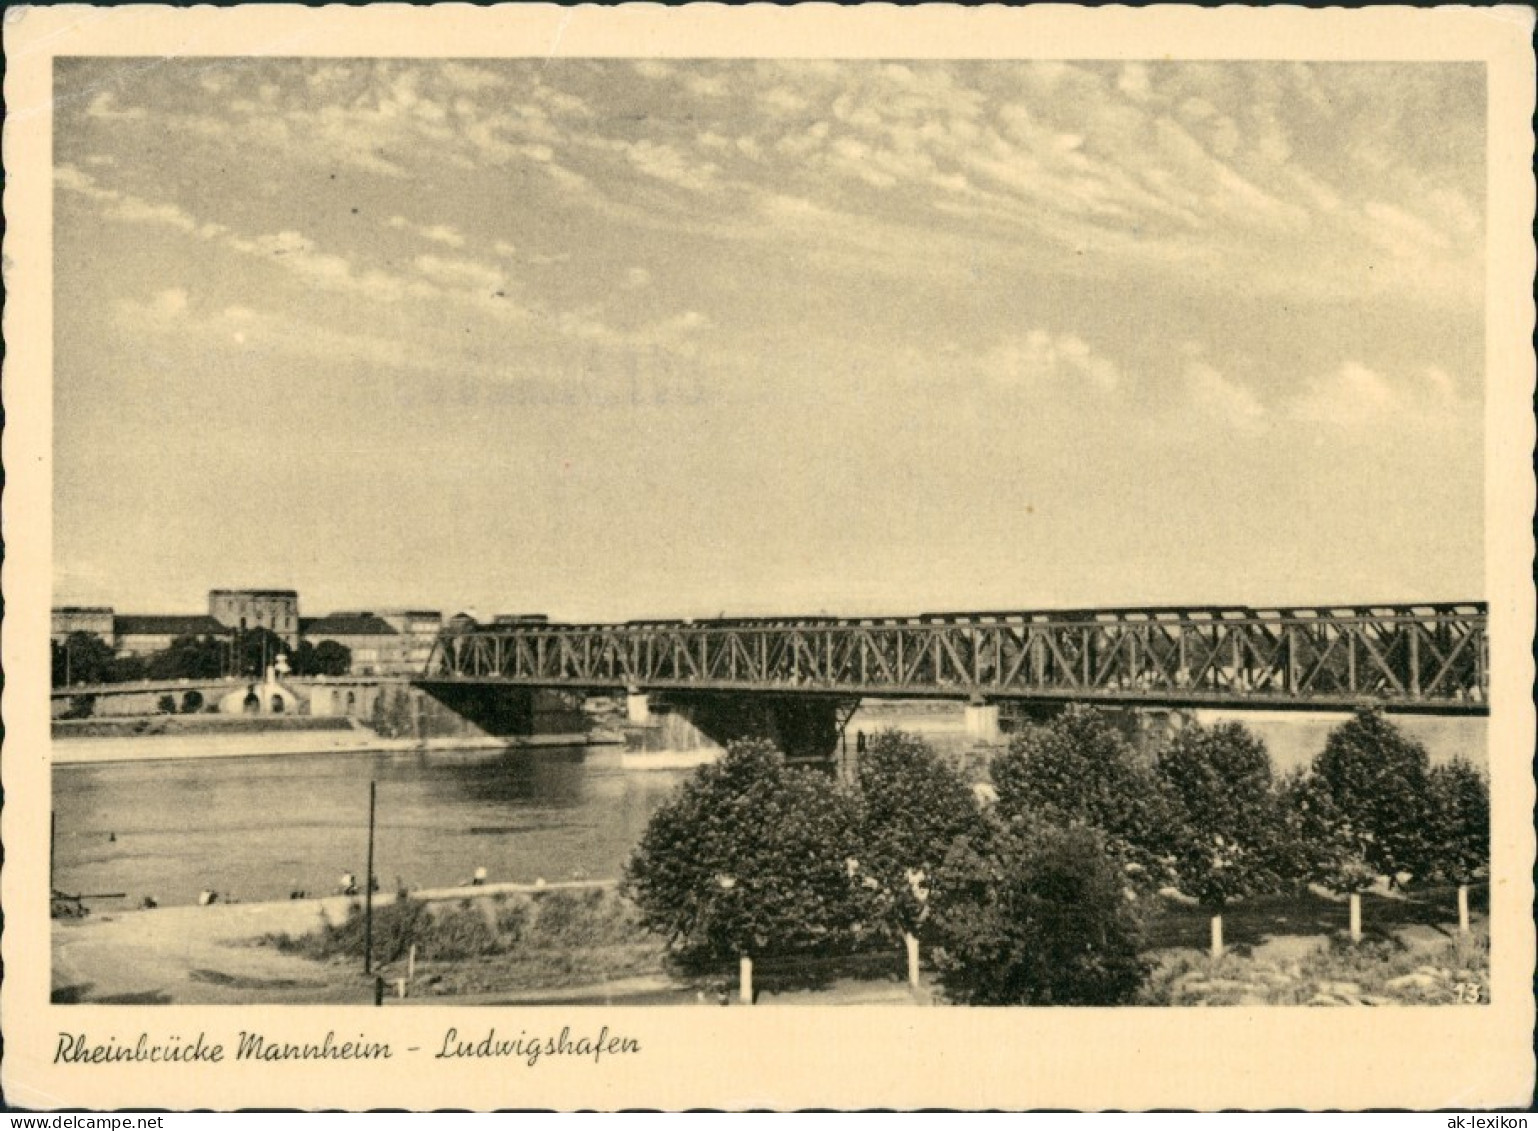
136,211
437,233
668,163
1357,397
636,278
170,302
1042,357
458,273
104,106
1214,397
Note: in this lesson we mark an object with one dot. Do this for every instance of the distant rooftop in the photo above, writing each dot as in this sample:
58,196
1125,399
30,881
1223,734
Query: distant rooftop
254,593
168,624
345,624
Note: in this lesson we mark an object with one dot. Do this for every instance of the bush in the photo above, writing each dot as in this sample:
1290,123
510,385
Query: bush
751,857
166,705
912,806
1028,914
456,933
1079,769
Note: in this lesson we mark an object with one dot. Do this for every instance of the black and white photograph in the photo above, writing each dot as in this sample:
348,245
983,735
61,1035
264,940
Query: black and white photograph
537,534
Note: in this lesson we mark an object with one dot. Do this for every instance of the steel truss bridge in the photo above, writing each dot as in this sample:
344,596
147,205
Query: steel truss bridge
1431,658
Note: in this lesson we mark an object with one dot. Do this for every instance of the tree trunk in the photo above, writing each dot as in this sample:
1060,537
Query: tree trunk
745,980
1217,936
1463,909
1356,917
913,959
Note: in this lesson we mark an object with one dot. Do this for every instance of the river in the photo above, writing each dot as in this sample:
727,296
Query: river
259,828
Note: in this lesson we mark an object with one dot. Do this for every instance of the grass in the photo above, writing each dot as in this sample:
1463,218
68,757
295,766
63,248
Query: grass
1306,913
1374,971
504,942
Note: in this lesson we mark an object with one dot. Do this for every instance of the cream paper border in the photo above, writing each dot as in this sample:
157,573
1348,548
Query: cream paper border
788,1057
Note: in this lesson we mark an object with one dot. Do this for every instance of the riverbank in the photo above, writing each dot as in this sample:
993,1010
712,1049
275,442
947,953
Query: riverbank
168,747
579,943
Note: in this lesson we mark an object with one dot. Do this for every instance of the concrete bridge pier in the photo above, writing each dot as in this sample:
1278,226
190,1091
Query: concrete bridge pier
691,729
981,720
638,707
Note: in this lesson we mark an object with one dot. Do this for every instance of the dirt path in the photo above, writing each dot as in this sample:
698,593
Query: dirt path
198,955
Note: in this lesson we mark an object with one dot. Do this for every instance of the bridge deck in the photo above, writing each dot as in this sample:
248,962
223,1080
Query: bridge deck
1426,658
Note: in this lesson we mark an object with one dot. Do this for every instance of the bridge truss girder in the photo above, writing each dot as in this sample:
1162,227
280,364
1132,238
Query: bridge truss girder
1410,659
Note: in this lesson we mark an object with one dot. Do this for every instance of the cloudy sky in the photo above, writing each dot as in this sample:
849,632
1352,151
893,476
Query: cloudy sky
627,338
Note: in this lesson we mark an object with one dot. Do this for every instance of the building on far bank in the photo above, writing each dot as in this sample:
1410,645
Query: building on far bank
376,647
146,635
93,619
276,610
419,629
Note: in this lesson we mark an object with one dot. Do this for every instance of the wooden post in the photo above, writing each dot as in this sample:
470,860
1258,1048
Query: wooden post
411,963
1217,936
400,987
1356,917
368,892
913,959
745,980
1463,909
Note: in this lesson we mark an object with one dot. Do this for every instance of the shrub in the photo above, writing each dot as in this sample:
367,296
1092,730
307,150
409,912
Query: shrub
166,705
1079,769
751,857
1028,914
455,934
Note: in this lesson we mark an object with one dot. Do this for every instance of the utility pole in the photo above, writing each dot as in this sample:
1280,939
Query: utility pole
368,889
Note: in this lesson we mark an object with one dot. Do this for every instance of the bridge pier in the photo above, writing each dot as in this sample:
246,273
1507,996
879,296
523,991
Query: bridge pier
981,720
638,706
692,729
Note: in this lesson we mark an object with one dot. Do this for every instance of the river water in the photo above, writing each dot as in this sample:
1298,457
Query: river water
259,828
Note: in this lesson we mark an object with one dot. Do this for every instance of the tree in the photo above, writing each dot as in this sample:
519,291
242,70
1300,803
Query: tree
256,649
1459,825
190,657
912,806
166,705
1219,781
1377,781
1029,914
751,857
82,658
326,658
192,702
1079,769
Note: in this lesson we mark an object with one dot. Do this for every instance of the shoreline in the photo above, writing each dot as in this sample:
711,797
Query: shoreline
157,748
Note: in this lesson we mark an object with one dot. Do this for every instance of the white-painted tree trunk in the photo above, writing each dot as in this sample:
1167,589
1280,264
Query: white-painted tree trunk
1356,917
745,980
1463,909
1217,936
913,959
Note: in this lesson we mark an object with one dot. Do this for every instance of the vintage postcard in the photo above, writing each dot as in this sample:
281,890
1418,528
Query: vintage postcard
747,557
